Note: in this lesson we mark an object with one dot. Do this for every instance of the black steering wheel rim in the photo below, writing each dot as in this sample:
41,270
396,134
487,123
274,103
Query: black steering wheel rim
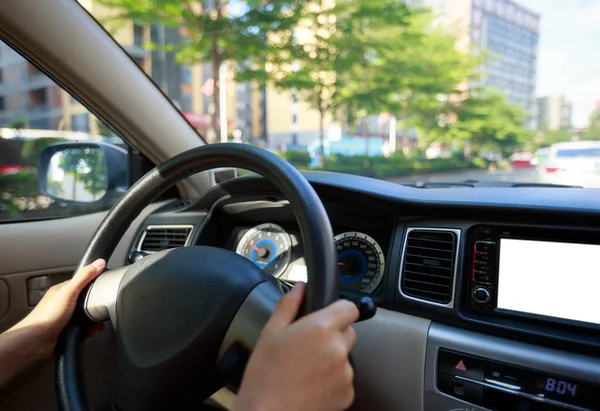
320,253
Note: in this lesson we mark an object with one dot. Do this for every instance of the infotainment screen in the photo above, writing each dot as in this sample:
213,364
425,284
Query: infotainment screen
552,279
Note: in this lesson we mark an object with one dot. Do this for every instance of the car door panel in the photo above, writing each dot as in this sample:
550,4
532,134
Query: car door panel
53,248
34,390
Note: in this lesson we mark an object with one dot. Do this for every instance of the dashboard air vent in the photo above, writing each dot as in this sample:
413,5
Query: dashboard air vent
162,237
428,270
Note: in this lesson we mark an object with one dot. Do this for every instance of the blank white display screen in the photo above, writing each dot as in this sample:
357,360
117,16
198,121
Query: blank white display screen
551,279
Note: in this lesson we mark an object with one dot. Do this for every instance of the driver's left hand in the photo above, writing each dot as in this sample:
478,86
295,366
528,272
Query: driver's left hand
35,337
55,309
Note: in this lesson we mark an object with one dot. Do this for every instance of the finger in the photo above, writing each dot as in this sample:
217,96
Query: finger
287,308
338,315
84,276
349,337
346,397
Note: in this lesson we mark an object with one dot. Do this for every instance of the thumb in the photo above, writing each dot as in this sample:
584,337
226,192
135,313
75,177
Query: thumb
84,276
287,309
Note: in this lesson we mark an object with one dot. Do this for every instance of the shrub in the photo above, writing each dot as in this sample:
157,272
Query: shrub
297,158
479,162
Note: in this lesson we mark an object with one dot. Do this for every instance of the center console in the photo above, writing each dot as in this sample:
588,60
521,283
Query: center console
499,385
472,371
531,282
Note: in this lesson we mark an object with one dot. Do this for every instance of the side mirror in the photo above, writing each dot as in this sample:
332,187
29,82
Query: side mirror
83,173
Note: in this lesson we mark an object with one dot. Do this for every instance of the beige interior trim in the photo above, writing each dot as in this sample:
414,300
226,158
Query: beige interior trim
389,359
76,51
224,398
19,240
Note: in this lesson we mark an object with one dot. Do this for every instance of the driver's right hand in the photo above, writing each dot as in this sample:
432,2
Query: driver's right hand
301,365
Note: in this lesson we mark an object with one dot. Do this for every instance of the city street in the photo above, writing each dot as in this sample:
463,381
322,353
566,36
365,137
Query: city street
514,176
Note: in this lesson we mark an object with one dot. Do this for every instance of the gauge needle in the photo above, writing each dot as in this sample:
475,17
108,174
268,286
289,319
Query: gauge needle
255,248
341,264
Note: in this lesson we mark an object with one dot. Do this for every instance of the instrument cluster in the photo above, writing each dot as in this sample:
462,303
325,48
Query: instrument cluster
361,260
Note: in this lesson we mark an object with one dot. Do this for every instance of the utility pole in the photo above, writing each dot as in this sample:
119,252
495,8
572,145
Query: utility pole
164,85
392,134
223,101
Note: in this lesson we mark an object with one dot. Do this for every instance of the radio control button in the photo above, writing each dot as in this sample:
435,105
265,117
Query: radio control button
464,390
481,295
482,267
503,374
483,258
482,278
484,247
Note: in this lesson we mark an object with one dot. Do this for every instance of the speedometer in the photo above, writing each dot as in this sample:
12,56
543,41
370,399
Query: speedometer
360,261
268,246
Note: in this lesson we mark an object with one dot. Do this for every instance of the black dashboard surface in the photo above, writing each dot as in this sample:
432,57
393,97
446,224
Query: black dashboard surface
387,211
229,222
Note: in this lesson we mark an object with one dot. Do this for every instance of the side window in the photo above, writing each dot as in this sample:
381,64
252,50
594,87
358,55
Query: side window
56,158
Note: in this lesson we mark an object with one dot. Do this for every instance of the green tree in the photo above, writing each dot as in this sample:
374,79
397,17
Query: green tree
413,70
19,122
103,129
335,45
310,67
488,122
87,166
95,175
434,70
240,33
547,137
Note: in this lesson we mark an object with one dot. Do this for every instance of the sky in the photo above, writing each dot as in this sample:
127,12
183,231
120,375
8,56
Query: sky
569,52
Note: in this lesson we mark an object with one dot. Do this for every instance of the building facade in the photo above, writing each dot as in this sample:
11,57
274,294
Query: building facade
26,94
132,38
506,36
554,113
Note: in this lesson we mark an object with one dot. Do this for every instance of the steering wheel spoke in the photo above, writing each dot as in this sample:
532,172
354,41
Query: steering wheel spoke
251,317
101,300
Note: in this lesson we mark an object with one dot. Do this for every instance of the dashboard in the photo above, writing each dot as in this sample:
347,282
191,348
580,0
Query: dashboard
504,275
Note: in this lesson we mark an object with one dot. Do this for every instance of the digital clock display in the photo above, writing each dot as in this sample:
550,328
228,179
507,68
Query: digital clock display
564,390
560,387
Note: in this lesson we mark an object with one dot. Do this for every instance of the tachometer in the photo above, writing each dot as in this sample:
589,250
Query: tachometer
360,261
268,246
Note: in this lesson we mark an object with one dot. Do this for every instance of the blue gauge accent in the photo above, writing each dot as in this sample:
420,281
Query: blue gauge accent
262,243
358,259
268,246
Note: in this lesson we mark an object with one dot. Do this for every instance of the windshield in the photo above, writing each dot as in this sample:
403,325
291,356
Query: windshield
429,90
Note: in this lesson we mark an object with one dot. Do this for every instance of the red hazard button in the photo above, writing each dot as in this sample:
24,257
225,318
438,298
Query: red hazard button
461,364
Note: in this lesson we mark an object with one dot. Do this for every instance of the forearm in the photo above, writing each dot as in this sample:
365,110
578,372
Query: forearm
20,347
34,338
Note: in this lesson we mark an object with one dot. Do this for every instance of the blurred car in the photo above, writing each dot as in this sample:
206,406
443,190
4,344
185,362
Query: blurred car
9,169
437,150
573,163
521,160
541,158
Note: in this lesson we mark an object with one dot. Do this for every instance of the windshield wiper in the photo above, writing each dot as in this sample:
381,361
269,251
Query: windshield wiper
477,183
427,184
545,185
513,184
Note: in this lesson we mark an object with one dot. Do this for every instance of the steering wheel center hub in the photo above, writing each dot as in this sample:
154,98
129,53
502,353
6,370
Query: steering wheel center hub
174,308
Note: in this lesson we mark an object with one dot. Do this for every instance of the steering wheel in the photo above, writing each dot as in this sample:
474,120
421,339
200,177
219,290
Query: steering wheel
177,312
